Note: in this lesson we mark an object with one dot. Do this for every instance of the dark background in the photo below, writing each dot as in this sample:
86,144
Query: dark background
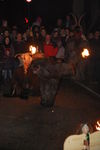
15,11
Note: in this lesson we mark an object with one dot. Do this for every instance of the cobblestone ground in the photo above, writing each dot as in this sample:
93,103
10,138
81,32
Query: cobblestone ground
25,125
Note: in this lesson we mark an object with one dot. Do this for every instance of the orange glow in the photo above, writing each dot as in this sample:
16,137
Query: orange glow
85,53
26,59
98,126
32,49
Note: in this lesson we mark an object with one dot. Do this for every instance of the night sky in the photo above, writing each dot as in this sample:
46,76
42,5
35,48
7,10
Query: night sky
16,10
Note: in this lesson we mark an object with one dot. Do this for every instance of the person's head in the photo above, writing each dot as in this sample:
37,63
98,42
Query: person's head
55,33
30,33
4,23
19,37
90,36
37,35
67,17
14,32
24,36
43,32
39,20
97,35
7,41
62,32
71,34
14,27
6,33
59,22
35,29
48,39
67,31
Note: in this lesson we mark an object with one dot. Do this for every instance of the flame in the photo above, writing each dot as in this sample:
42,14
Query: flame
85,53
32,49
98,126
28,1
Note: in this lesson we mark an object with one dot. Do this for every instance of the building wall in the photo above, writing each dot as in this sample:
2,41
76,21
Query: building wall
78,7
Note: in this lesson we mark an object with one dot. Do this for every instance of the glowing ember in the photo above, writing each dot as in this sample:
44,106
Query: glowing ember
85,53
32,49
98,126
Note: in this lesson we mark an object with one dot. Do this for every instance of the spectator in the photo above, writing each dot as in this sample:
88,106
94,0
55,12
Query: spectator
43,36
28,39
90,37
63,36
6,33
37,41
8,53
55,36
61,50
37,22
14,33
49,49
8,49
59,24
19,44
67,32
63,42
68,22
4,26
43,33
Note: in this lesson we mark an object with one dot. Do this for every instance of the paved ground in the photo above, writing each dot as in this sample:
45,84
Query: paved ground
25,125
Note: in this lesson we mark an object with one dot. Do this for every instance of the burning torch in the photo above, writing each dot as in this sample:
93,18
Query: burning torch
98,126
85,53
32,49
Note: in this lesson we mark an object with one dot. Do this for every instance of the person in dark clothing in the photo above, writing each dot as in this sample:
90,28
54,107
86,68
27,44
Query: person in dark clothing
14,33
4,26
28,39
43,36
8,49
37,41
8,53
19,44
68,22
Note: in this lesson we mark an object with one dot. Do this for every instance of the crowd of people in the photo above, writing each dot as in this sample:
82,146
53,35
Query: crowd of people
64,42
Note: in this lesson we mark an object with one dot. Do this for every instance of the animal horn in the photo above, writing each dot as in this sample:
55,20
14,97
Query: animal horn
75,18
80,19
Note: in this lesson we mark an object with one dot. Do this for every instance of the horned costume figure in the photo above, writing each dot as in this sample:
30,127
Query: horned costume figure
37,73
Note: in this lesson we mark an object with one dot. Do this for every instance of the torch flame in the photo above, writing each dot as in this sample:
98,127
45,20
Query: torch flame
98,126
85,53
32,49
